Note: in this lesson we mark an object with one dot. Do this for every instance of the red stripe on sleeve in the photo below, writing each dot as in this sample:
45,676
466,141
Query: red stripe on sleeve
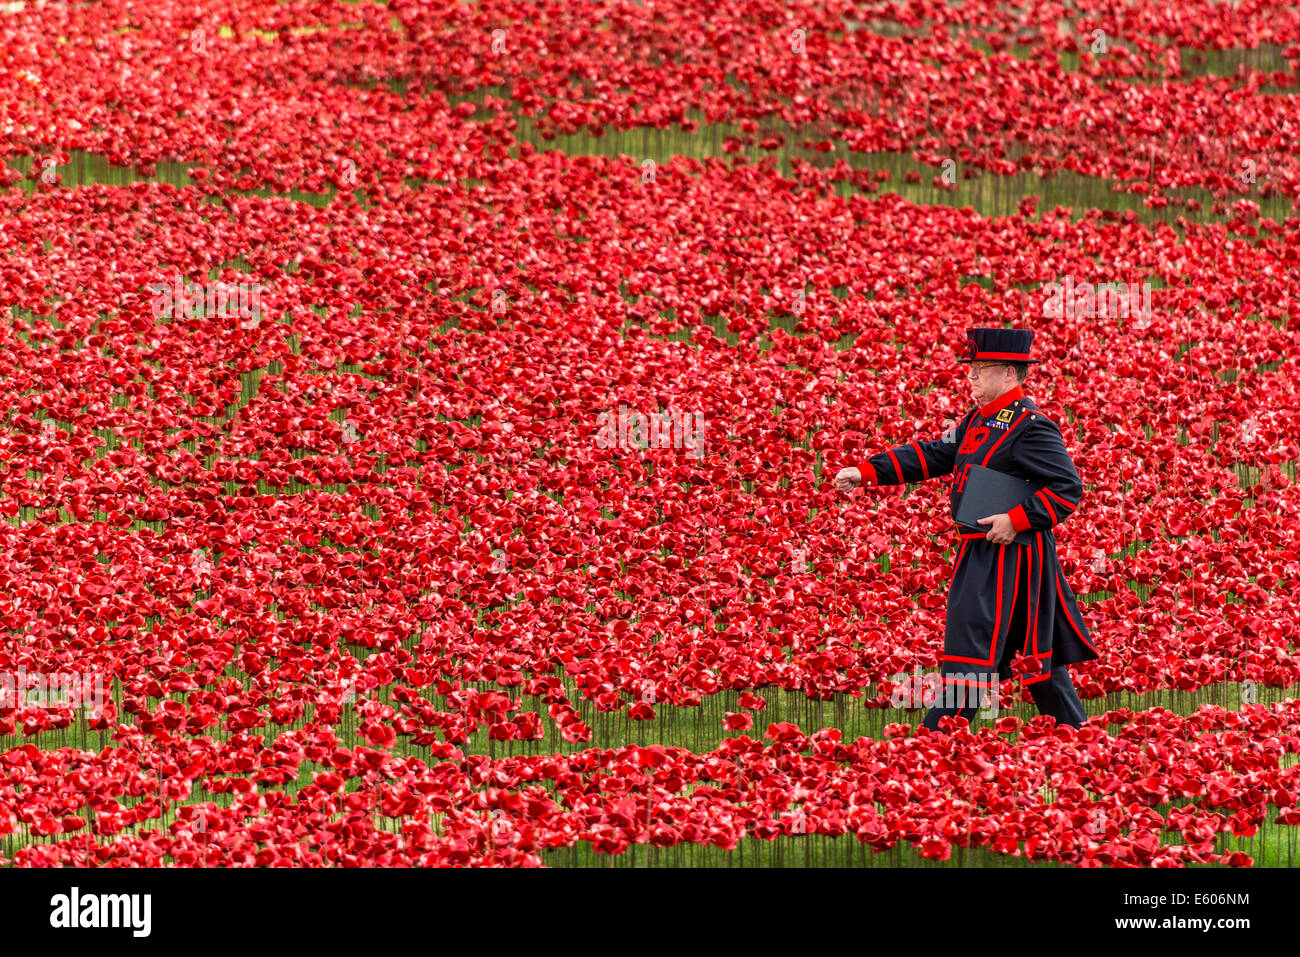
1059,499
898,469
925,469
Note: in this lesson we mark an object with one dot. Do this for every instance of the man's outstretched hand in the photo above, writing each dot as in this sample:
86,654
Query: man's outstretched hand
1001,531
846,480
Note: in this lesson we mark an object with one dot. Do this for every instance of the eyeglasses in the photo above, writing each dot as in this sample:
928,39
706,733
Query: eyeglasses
974,371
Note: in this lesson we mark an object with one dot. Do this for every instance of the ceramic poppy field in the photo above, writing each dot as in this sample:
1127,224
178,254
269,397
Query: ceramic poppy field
420,424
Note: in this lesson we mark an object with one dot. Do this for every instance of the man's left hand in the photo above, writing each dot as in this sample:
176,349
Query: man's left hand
1001,531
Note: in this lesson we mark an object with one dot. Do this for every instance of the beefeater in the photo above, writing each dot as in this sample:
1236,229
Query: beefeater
1006,599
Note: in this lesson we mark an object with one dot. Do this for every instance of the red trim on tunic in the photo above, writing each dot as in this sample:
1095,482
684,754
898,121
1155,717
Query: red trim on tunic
973,661
1048,505
868,472
1029,600
1015,593
997,618
992,644
1071,620
1038,538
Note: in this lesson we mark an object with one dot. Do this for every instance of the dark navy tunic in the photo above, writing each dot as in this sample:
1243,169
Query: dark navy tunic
1005,600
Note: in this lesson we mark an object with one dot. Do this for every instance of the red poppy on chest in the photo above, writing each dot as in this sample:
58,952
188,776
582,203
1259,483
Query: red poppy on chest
974,439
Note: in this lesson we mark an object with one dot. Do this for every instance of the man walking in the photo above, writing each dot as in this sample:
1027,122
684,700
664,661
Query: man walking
1006,598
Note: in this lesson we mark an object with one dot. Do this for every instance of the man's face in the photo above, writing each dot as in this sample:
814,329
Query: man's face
988,380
